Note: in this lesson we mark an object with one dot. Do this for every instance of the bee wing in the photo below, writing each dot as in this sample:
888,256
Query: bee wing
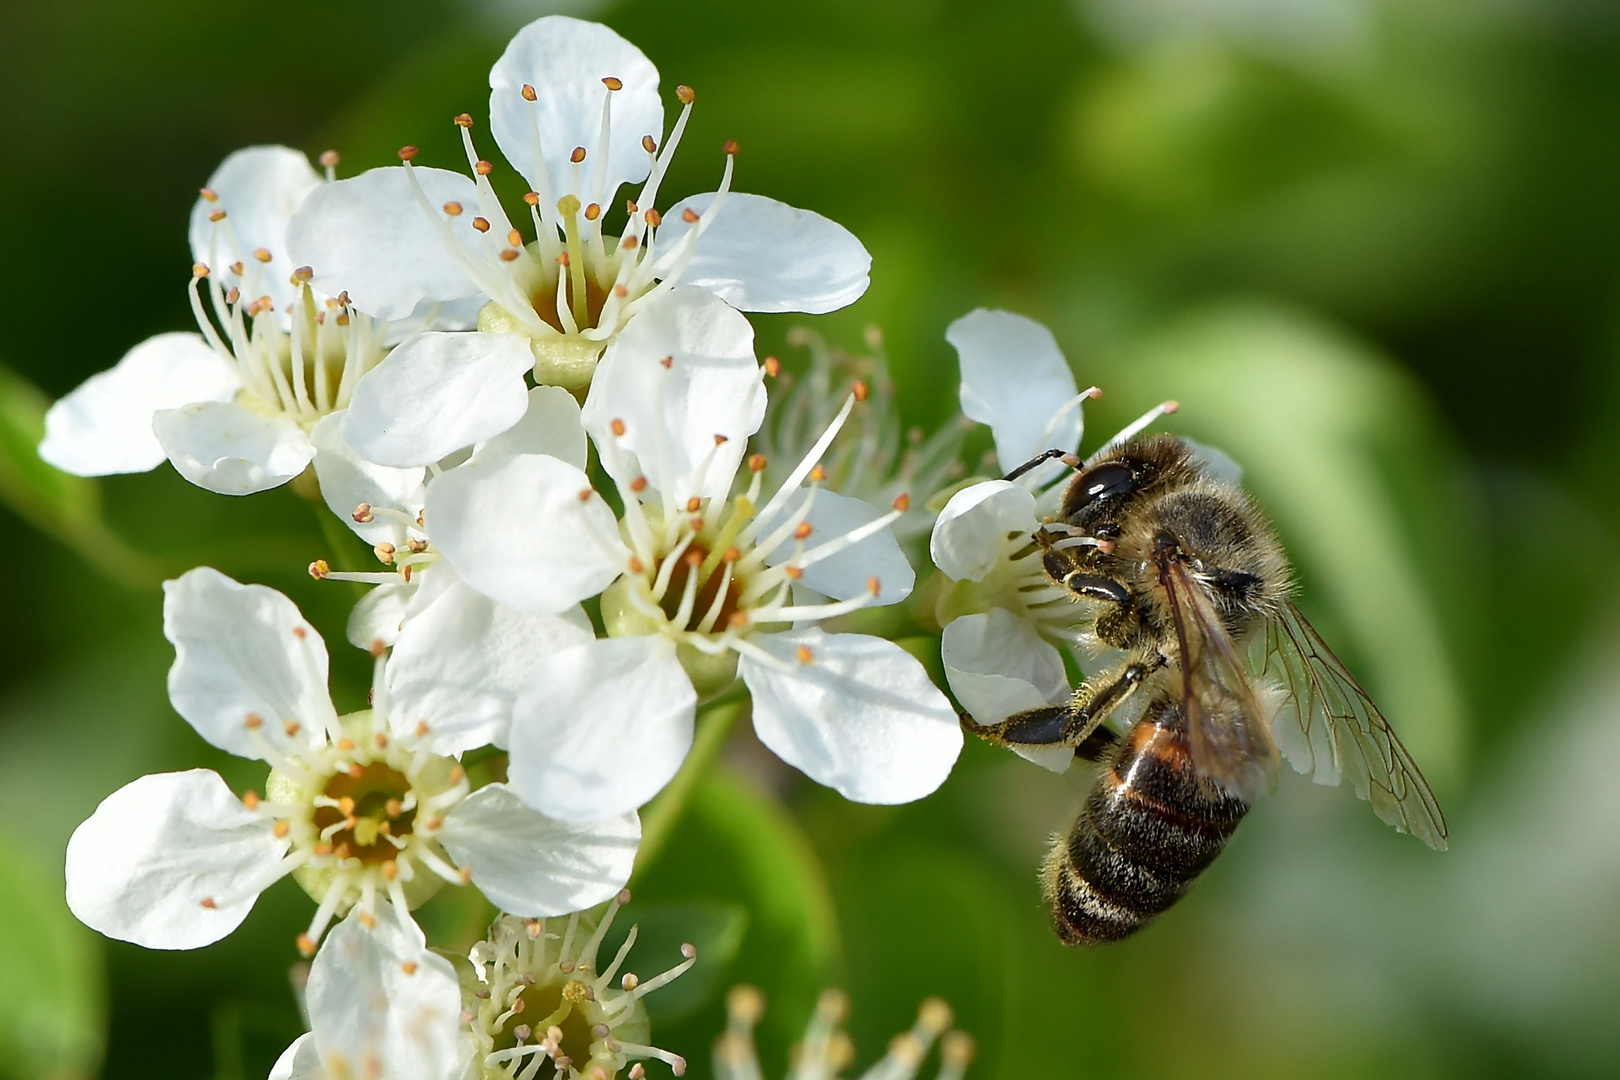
1336,731
1227,727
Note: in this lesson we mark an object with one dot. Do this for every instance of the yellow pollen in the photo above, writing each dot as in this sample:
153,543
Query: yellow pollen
345,744
636,565
208,194
731,555
281,830
409,966
319,569
514,238
250,799
576,991
738,620
199,270
873,586
367,920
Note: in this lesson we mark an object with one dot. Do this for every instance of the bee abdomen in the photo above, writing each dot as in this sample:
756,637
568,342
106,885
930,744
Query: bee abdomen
1148,829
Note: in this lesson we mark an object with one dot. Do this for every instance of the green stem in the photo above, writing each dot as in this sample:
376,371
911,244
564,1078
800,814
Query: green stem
659,817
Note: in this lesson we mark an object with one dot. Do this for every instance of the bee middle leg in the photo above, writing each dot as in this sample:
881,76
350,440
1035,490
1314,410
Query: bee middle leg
1076,723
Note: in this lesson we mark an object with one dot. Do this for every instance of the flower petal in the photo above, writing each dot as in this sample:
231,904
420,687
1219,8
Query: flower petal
371,235
681,377
551,426
142,866
299,1061
381,1003
458,664
974,527
378,614
528,864
860,716
565,61
758,254
519,530
601,728
998,665
347,480
1015,379
848,573
229,450
437,393
259,188
105,425
245,656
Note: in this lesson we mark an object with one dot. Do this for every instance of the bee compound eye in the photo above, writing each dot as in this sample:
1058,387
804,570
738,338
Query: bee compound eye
1107,481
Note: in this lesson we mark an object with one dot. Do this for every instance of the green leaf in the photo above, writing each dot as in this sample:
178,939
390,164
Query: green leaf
64,506
52,1008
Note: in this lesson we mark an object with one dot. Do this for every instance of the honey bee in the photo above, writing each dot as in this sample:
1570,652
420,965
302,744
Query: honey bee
1184,575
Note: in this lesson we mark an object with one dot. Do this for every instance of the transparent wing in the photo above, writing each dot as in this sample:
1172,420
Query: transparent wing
1227,727
1336,731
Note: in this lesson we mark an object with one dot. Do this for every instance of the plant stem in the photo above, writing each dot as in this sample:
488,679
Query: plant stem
659,817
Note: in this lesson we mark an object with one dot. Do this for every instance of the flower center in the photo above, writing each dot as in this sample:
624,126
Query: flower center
366,810
707,578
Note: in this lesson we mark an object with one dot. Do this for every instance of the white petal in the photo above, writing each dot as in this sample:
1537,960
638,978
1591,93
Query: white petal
437,393
528,864
862,717
378,615
299,1061
259,188
551,426
457,666
244,651
1015,379
847,573
347,480
973,529
105,425
998,665
758,254
516,529
140,867
227,449
382,1004
713,386
371,236
565,60
601,728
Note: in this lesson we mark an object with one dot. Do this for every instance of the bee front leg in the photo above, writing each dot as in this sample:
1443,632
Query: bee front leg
1076,723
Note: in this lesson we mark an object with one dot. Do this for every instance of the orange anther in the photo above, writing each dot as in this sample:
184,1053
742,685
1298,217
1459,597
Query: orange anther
250,799
612,84
689,216
731,554
253,721
617,427
281,829
319,569
756,463
738,620
636,565
481,224
217,216
483,168
649,144
861,390
453,209
793,572
578,155
817,475
199,270
773,366
902,502
686,94
654,218
464,120
329,159
532,198
667,362
731,146
638,485
345,744
803,531
407,153
528,92
585,494
509,254
694,504
208,194
409,966
873,586
593,211
804,654
292,728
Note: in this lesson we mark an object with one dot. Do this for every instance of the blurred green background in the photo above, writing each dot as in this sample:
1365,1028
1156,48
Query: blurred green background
1373,248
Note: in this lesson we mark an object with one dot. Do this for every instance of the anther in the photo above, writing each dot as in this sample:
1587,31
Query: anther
483,168
630,981
873,586
250,799
817,475
481,224
532,198
421,729
654,218
367,919
208,902
216,217
756,463
667,362
694,559
638,485
902,502
721,440
319,569
253,721
731,146
1171,407
618,428
612,84
306,946
453,209
514,238
689,951
578,155
464,120
585,494
649,144
303,274
731,554
803,531
636,566
689,216
199,270
686,94
281,829
637,1072
466,874
384,552
804,654
773,366
345,744
408,967
377,648
508,254
738,620
622,290
562,260
694,504
593,211
329,159
407,153
793,572
861,390
394,808
208,194
292,728
528,92
381,739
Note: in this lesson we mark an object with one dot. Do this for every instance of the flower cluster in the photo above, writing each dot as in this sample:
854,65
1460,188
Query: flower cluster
553,435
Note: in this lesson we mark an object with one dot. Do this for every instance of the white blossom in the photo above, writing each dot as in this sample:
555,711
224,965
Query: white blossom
700,581
354,807
576,110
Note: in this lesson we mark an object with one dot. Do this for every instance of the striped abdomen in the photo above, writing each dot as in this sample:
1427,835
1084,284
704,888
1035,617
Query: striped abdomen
1148,828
